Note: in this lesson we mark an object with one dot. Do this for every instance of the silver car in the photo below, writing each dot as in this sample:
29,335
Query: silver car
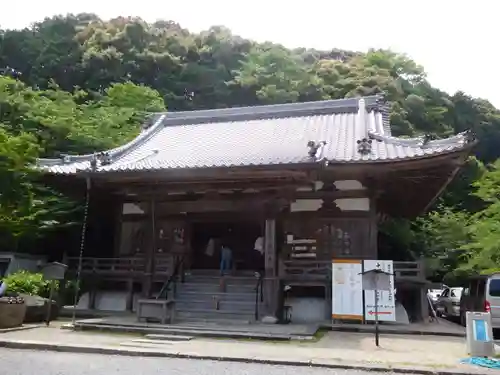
434,295
448,302
482,294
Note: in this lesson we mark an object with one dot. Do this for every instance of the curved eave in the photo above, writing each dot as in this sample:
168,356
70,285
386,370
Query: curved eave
115,153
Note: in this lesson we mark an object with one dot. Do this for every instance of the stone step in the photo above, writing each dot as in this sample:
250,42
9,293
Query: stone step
216,284
145,345
166,337
218,321
210,305
216,273
217,281
208,314
207,288
234,278
227,328
203,296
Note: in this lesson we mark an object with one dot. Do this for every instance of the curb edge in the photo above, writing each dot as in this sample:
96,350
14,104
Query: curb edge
276,362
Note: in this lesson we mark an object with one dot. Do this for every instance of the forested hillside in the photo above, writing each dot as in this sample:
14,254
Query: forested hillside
79,84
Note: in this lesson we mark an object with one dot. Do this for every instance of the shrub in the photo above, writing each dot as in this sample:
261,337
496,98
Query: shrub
27,283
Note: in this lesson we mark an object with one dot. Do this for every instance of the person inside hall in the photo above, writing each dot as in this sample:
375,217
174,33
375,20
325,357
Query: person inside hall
226,258
259,255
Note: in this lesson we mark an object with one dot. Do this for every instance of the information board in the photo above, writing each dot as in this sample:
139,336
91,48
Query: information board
386,299
347,289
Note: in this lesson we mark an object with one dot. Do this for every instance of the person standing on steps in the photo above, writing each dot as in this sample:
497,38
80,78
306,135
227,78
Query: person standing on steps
258,257
226,258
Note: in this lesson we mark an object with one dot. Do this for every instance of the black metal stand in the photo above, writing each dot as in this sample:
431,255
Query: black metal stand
49,307
376,319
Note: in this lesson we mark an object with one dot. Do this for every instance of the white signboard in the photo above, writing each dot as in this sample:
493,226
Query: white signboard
347,289
386,299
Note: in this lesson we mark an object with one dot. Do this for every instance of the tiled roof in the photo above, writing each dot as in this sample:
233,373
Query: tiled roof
264,135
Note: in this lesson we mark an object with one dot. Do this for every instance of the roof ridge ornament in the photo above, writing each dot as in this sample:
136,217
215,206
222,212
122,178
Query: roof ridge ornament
316,149
99,159
382,106
381,100
364,146
104,157
66,158
149,121
469,136
188,95
426,139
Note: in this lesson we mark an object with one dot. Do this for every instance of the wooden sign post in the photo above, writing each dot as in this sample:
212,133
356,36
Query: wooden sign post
376,280
53,272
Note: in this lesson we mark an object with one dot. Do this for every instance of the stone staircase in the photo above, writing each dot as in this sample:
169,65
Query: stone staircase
206,296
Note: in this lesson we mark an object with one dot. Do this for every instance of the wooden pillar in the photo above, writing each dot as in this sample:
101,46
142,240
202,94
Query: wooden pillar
150,254
118,229
63,284
328,297
424,301
373,232
424,308
93,292
271,282
130,295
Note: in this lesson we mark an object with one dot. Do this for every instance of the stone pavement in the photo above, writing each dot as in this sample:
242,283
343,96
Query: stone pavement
410,354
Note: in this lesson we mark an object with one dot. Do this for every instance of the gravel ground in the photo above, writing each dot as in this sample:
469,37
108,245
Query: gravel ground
24,362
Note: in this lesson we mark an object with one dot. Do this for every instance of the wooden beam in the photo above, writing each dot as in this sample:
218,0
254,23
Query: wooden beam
406,196
202,175
350,171
212,206
164,189
331,195
450,178
265,195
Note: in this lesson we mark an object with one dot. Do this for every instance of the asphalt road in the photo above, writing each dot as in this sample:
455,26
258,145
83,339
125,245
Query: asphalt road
24,362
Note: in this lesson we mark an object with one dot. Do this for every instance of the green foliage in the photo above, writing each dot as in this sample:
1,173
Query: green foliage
28,283
442,234
483,250
49,122
88,83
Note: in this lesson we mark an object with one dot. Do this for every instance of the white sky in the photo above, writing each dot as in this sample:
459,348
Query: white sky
456,41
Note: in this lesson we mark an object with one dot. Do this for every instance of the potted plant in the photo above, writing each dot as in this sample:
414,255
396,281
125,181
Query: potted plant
33,290
12,311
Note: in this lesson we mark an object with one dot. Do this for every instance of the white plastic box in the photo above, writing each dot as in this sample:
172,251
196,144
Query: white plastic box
479,334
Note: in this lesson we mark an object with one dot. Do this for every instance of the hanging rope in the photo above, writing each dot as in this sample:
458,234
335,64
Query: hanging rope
82,246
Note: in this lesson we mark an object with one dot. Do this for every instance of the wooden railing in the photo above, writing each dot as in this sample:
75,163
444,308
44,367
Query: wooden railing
314,270
116,266
305,269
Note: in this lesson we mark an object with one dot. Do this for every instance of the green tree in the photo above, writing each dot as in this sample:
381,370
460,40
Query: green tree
48,122
443,234
17,214
483,250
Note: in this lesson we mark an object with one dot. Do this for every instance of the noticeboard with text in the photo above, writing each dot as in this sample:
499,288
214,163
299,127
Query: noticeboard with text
386,306
347,289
